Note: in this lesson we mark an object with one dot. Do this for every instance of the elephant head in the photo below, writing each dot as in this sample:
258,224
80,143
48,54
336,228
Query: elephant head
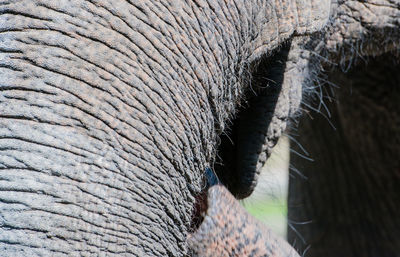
112,111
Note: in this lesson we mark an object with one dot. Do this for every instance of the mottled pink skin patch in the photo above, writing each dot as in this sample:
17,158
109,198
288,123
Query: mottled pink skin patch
229,230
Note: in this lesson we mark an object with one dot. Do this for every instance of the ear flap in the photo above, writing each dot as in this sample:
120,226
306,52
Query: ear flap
228,230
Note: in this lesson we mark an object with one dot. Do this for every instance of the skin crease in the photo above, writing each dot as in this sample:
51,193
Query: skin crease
110,113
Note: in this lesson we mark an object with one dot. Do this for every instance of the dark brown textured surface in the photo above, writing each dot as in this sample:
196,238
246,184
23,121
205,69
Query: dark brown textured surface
229,230
342,204
349,203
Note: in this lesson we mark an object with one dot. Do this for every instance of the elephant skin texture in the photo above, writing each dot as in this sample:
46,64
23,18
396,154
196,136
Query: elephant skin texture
229,230
110,112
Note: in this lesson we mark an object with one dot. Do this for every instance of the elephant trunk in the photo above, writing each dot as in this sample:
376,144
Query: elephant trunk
228,230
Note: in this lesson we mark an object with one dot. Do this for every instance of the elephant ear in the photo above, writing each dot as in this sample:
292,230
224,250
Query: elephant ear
228,230
274,97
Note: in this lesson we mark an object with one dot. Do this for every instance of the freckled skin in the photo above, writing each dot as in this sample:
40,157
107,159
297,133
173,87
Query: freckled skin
229,230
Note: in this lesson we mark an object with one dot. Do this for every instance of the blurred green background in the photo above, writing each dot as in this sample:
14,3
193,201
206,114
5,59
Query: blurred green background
268,201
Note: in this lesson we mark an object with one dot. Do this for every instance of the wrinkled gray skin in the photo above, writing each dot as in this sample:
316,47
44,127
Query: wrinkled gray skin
110,111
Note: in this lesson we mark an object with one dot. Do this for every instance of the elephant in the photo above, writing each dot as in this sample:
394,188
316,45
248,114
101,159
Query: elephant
347,205
343,201
113,112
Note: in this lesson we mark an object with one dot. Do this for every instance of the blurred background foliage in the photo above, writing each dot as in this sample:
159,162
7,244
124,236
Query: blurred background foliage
268,202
